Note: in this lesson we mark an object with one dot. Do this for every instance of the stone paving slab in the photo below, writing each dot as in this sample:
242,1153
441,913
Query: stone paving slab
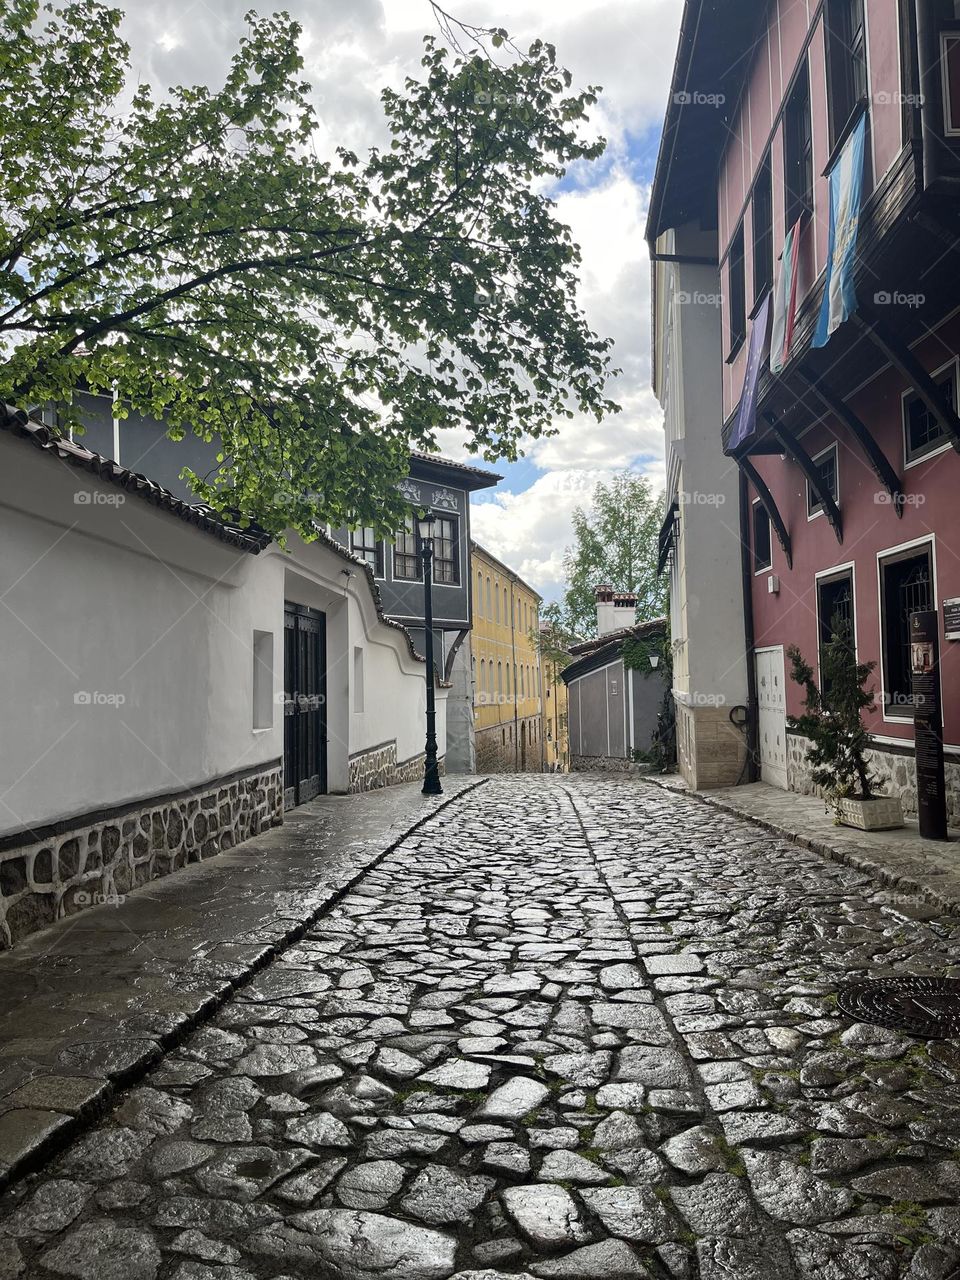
89,1004
900,859
570,1027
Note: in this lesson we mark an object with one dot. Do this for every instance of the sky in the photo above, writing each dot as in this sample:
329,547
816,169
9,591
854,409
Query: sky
353,48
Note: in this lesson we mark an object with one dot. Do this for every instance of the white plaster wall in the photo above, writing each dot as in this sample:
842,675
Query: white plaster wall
706,601
395,691
129,603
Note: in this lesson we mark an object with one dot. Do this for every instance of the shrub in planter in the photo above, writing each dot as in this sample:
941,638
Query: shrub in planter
832,720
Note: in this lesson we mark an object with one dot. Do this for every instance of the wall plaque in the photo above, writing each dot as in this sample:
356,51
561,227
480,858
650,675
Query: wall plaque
951,619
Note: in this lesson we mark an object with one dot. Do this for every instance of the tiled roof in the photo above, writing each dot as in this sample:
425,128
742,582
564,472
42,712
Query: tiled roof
204,518
476,547
420,455
638,631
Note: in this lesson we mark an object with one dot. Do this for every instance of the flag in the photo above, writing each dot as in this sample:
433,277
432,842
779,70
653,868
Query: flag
746,423
846,184
785,301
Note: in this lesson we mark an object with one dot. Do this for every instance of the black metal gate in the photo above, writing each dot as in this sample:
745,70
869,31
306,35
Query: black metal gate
305,705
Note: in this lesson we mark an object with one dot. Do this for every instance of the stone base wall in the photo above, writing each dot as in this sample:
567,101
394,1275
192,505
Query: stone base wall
496,756
89,863
710,750
605,764
377,767
894,771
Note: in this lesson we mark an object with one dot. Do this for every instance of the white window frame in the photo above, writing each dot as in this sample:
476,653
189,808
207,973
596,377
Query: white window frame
831,448
927,540
910,394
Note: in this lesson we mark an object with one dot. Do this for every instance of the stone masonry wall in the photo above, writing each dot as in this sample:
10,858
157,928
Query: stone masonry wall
606,764
710,750
496,756
98,862
895,775
378,767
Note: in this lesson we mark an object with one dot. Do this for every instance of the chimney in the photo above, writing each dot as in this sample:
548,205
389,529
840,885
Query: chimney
615,609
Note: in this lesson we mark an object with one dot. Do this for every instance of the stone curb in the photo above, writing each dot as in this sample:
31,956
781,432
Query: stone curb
907,884
60,1132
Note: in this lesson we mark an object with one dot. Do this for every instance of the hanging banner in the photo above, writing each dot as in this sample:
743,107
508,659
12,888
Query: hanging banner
746,423
846,186
785,301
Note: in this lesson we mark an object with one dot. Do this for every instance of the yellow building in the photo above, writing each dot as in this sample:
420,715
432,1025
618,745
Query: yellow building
507,680
556,747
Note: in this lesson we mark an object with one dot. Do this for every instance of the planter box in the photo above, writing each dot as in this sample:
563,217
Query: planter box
882,813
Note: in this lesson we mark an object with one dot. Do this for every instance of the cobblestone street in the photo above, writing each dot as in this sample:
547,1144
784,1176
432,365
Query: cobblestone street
572,1027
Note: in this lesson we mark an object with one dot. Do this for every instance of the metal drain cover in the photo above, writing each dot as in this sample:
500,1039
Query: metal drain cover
924,1007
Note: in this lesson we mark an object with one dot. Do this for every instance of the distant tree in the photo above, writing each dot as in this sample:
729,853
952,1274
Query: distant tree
554,639
318,315
616,542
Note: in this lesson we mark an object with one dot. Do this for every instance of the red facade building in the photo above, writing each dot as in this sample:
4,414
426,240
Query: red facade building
850,483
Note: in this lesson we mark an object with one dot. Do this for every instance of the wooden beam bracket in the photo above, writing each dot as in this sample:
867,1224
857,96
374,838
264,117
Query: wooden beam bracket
879,462
795,449
903,359
769,504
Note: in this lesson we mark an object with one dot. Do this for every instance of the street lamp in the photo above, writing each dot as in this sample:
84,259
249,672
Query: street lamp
431,770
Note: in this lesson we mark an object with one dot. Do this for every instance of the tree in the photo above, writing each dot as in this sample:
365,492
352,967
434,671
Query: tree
318,316
616,543
553,640
832,718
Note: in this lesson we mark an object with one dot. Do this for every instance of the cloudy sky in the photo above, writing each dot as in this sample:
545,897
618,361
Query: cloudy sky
352,49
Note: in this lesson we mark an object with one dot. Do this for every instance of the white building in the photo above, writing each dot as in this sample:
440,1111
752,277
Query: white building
170,683
700,538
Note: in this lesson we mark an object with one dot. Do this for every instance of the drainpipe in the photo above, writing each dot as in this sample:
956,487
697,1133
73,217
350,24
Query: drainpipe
746,574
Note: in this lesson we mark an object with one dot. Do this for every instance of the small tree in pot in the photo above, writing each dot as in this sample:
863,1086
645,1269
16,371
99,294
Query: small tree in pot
832,721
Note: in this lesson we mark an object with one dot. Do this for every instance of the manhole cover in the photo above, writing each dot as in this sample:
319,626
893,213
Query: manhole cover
924,1007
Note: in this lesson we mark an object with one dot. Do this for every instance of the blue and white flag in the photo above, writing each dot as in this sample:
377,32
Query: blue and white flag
846,186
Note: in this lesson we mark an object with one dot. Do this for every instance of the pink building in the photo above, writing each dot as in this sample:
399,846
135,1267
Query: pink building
850,485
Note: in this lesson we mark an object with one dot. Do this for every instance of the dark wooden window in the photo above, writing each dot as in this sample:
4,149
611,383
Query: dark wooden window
738,294
906,586
834,609
798,150
846,63
762,231
446,551
826,464
406,561
762,549
922,433
365,544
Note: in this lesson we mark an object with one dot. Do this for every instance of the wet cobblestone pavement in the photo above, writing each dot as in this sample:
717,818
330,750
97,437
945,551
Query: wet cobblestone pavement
572,1027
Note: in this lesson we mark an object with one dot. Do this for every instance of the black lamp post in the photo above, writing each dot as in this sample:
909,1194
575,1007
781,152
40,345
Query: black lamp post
431,770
